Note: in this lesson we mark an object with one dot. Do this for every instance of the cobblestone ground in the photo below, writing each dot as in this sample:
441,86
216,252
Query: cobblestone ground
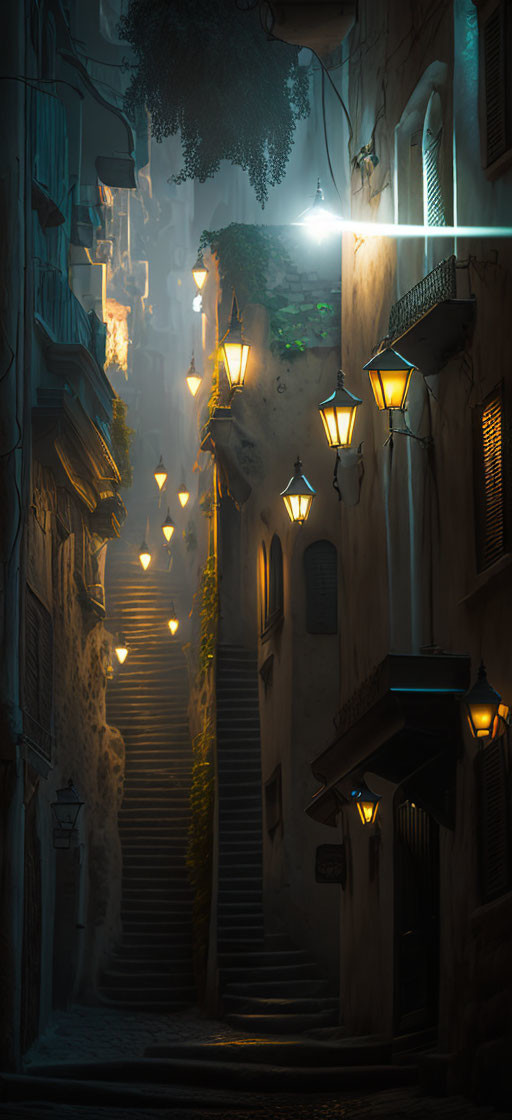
92,1033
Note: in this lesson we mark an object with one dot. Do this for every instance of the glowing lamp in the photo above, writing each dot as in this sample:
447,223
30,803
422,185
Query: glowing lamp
160,474
317,219
183,494
168,527
236,351
144,556
121,649
173,622
338,414
199,272
298,496
193,377
367,803
502,721
482,705
390,375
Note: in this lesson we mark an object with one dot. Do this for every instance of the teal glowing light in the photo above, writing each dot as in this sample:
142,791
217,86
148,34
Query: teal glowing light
333,224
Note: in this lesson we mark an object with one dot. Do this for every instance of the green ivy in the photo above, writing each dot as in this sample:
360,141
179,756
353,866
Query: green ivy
199,851
208,614
121,437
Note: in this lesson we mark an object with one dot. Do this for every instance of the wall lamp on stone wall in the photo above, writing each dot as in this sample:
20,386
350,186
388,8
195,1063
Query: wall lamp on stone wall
121,649
298,496
366,802
390,377
160,474
199,272
193,378
168,526
338,413
65,810
236,351
486,715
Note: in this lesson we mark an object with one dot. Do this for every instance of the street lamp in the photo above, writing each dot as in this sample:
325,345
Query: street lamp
390,375
193,379
199,272
121,649
168,527
144,556
236,351
183,494
160,474
298,495
317,219
482,704
65,809
367,803
173,621
338,414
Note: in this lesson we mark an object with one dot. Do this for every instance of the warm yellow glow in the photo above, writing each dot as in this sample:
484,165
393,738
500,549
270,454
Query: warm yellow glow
145,559
116,351
481,718
121,653
173,625
200,275
193,383
367,811
235,357
338,425
183,496
298,506
390,387
160,474
167,530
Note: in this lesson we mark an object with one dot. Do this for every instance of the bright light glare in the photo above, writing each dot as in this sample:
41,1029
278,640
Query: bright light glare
197,302
322,224
193,383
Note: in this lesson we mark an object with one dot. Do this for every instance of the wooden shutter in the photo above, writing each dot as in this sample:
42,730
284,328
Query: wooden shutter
321,575
490,480
38,673
495,83
494,830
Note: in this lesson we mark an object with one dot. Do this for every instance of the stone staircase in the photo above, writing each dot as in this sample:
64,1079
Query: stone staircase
152,966
267,984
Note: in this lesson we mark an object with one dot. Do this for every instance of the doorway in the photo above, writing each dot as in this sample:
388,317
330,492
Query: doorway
416,918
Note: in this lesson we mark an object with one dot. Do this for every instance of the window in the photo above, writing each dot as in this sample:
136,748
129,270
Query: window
491,497
38,674
433,206
271,585
321,577
495,22
494,821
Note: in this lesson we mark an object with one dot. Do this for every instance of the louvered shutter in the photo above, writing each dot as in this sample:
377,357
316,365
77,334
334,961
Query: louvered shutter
321,574
495,79
494,813
490,480
38,673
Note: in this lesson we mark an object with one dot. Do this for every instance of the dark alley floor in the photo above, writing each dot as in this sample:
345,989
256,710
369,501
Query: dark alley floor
96,1034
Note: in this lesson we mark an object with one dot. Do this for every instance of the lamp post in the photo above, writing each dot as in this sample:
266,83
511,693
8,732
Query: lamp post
193,379
367,803
144,556
168,526
482,704
160,474
298,495
65,810
236,351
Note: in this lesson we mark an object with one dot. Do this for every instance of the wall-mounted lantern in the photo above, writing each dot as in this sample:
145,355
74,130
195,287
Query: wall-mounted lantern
160,474
482,704
193,378
390,375
168,526
298,495
173,621
317,219
338,414
121,649
183,494
236,351
199,272
367,803
65,810
144,556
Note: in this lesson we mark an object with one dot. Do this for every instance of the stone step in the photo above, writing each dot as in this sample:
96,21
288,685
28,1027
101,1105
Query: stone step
259,1005
256,1024
298,1054
279,989
170,981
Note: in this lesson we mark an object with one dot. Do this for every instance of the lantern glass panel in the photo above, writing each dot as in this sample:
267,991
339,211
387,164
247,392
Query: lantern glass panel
481,718
183,496
121,654
173,624
298,506
367,811
167,530
193,383
199,275
145,560
390,387
236,355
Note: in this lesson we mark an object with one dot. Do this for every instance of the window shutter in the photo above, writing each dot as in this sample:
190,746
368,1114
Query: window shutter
494,48
490,480
495,855
321,575
38,673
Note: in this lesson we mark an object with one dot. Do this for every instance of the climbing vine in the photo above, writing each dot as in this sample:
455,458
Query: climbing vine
121,436
209,614
199,852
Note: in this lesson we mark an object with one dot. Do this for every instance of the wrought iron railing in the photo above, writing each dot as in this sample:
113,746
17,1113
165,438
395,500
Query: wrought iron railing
438,285
63,314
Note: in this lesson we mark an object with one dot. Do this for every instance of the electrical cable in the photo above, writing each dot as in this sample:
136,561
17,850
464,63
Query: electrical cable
327,152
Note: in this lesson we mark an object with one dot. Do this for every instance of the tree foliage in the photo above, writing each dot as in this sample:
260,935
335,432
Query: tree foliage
208,71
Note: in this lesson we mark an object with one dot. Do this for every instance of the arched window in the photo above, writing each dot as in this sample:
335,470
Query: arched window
321,577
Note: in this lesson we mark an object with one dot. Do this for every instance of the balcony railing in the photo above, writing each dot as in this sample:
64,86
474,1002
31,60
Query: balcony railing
63,315
438,285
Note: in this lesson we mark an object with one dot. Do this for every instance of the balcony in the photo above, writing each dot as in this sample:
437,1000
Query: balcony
430,324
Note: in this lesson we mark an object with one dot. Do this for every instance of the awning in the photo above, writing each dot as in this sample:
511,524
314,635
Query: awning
403,718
